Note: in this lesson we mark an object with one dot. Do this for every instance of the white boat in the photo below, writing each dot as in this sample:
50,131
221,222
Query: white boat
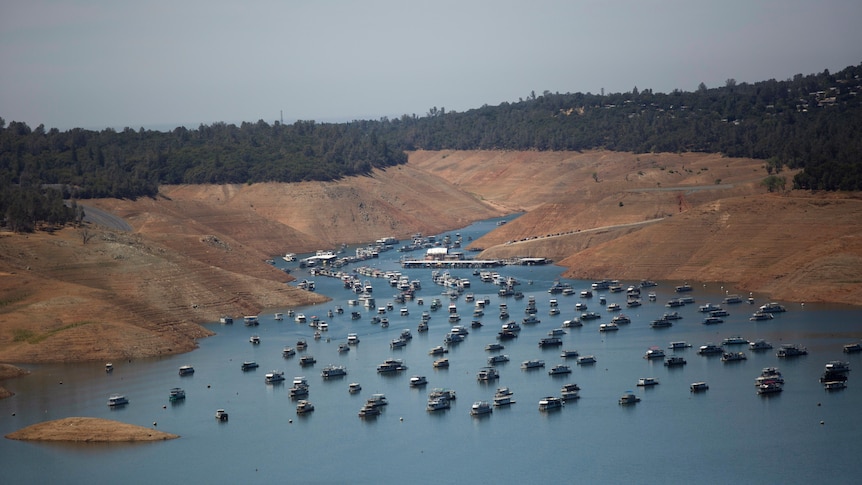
586,360
834,385
249,365
698,386
438,403
672,316
186,370
532,364
391,365
438,350
608,327
226,320
654,353
770,387
772,308
791,350
679,345
629,398
397,343
487,374
254,339
837,366
550,403
221,415
503,391
760,316
614,307
343,348
852,348
569,392
661,323
109,367
377,400
177,394
368,411
709,349
307,360
569,354
709,307
647,381
550,342
352,339
560,369
759,344
494,347
278,316
675,361
442,392
333,371
498,359
288,352
481,407
417,381
735,340
531,320
250,320
441,363
303,407
712,320
621,319
354,387
503,400
733,356
273,377
117,400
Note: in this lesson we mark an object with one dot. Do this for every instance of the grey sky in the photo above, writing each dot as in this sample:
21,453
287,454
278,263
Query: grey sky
98,63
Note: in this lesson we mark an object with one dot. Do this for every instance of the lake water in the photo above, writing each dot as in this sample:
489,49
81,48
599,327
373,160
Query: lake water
802,435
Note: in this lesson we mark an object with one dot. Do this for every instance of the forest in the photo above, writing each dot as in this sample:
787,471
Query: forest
810,122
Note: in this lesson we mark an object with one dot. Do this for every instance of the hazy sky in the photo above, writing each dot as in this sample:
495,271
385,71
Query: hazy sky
118,63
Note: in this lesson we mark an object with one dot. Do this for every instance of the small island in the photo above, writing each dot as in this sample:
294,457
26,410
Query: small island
88,430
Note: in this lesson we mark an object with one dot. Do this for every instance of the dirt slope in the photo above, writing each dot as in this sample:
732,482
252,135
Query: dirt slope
197,252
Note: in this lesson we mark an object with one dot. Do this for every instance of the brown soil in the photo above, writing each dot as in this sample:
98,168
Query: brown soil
198,252
89,430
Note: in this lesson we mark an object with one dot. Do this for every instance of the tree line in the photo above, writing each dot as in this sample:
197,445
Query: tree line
808,122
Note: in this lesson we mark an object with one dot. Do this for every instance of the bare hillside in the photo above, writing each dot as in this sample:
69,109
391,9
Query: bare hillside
197,252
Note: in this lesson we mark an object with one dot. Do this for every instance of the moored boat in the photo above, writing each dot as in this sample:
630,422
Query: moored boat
629,398
273,377
304,406
117,400
698,386
186,370
569,392
333,371
759,345
550,403
481,407
586,360
647,381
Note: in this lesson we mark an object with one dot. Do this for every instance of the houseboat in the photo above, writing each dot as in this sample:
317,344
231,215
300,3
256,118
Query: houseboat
117,400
